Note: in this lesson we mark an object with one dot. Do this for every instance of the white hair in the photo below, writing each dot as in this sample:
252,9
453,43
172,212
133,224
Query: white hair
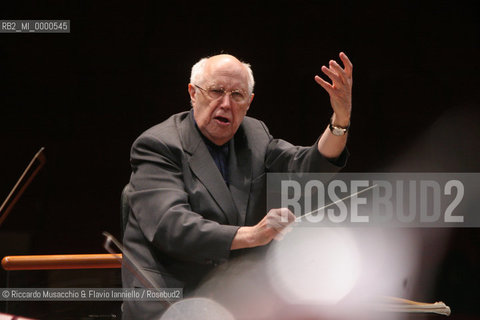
198,69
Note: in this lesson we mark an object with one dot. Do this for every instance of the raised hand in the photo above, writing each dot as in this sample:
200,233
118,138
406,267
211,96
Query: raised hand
340,90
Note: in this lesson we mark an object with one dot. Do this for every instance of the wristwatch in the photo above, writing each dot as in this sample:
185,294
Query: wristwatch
337,130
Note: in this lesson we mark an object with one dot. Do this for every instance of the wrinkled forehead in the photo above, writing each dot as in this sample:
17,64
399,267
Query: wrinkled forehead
226,71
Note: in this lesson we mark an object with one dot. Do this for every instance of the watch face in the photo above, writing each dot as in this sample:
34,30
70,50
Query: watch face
338,131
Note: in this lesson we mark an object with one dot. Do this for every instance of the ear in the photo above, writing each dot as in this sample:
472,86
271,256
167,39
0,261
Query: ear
192,92
251,99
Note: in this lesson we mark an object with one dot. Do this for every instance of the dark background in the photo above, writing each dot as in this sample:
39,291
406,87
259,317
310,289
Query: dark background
85,96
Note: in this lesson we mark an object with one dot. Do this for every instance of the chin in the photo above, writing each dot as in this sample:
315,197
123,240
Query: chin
222,140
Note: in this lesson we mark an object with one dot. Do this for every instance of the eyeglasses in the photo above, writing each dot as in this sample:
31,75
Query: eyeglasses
238,96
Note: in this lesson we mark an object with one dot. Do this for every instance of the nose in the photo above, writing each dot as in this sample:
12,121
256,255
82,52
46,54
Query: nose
225,101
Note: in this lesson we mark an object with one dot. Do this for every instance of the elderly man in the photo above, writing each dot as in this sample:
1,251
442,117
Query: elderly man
198,178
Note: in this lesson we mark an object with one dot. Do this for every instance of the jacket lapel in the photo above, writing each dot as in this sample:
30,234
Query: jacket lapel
204,168
240,172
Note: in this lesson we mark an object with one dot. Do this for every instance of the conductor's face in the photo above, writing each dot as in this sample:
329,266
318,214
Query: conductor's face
222,99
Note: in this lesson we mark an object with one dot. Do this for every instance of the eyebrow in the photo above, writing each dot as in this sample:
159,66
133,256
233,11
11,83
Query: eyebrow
223,87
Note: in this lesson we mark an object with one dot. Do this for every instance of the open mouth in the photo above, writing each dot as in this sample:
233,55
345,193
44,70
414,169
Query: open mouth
222,119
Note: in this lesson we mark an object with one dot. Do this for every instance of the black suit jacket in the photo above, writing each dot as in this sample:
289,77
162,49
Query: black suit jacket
184,216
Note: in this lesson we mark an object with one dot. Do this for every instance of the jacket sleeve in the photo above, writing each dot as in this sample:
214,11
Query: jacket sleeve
160,204
282,156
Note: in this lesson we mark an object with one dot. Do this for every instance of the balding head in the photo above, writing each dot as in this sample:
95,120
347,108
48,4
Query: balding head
228,63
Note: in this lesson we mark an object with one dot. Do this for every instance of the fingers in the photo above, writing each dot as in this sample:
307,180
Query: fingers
339,72
338,75
286,216
324,84
334,77
272,226
346,62
279,219
335,73
331,73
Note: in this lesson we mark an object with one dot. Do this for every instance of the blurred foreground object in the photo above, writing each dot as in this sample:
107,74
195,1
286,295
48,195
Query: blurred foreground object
393,304
4,316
